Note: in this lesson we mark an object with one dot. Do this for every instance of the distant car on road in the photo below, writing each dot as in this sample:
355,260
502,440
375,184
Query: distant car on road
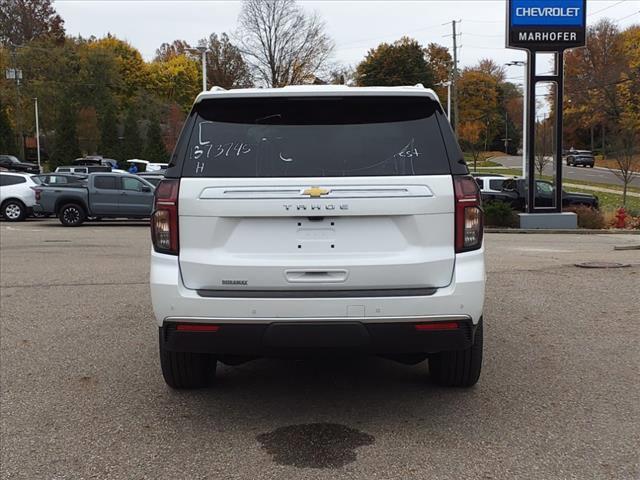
105,195
17,195
514,192
577,158
12,163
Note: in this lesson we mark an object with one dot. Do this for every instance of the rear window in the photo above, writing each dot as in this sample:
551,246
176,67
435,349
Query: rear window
315,137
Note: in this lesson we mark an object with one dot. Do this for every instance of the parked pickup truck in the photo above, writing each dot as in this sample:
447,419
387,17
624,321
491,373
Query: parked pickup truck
514,192
105,195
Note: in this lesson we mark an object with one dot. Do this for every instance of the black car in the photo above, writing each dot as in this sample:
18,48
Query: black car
12,163
514,192
578,158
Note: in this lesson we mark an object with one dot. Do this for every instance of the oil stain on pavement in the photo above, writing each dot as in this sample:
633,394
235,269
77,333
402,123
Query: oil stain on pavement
314,445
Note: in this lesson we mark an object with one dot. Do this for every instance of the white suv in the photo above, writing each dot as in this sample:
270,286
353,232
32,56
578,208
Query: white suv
17,195
318,220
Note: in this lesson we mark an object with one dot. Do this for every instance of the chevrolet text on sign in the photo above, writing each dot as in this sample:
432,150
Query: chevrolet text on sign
546,25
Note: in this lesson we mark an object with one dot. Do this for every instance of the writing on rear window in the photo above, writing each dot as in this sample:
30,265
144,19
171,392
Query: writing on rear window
283,137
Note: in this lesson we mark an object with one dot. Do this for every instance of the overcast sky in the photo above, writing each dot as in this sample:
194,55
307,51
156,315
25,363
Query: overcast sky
355,26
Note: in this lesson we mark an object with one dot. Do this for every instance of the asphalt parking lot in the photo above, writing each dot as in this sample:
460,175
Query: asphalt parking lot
82,395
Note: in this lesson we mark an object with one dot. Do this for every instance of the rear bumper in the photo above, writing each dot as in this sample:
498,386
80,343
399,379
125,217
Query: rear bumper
583,161
318,337
380,324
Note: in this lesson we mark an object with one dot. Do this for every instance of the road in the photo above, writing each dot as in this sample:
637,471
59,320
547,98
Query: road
595,175
82,395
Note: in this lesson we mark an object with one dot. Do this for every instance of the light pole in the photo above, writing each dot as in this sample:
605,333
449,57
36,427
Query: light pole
35,101
522,63
448,85
202,50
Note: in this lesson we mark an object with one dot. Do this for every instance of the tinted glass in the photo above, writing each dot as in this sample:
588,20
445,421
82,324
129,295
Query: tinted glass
11,180
316,137
131,184
63,170
544,188
496,184
153,180
107,183
509,185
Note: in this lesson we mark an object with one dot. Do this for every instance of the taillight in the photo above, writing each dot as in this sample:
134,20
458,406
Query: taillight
195,327
38,192
469,215
436,326
164,220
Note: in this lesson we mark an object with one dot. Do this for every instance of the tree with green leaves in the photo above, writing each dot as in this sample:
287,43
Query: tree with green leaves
109,145
7,135
154,149
65,148
132,143
400,63
24,20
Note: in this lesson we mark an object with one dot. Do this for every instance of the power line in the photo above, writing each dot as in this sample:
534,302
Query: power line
483,21
380,38
606,8
628,16
484,36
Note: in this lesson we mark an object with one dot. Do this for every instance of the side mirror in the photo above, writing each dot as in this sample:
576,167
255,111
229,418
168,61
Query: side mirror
145,188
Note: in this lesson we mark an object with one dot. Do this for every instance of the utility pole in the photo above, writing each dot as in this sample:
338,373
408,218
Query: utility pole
454,79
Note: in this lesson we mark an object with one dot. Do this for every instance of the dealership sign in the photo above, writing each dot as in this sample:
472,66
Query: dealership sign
546,25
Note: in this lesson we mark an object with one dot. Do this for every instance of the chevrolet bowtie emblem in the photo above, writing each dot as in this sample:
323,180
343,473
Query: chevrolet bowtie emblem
316,192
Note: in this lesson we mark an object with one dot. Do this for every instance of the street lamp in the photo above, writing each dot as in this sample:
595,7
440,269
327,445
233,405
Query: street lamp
522,63
448,85
202,49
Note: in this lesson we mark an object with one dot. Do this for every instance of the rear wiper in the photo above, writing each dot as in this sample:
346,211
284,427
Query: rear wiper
275,115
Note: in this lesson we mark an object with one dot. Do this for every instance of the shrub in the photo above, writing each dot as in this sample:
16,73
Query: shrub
588,217
499,214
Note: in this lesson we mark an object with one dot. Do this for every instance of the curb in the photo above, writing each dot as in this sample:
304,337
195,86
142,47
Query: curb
578,231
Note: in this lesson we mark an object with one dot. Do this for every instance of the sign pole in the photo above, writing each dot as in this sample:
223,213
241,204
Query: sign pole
551,27
35,101
531,131
559,124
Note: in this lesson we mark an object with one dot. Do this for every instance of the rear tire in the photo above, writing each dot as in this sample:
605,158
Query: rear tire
14,211
458,368
72,215
186,370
